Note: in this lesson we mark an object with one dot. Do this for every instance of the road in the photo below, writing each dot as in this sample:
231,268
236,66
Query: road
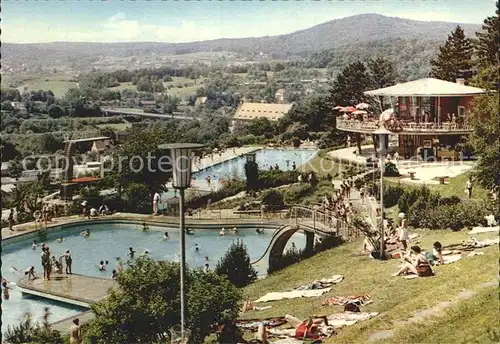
138,112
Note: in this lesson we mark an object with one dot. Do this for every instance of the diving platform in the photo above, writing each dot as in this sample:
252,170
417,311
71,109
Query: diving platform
74,289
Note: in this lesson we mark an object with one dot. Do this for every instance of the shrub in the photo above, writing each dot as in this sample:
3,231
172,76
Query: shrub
291,256
147,304
28,332
295,193
272,198
391,170
236,266
454,216
273,178
392,194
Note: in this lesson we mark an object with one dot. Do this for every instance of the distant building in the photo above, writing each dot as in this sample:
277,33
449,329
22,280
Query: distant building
200,100
280,95
19,106
100,146
147,104
249,111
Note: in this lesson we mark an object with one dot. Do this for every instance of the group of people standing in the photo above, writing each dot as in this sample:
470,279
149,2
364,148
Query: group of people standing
49,263
338,205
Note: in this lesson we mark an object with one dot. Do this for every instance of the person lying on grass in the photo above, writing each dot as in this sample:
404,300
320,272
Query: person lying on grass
435,257
418,264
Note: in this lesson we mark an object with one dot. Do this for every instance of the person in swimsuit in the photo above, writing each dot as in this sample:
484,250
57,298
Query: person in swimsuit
114,274
48,263
196,248
75,332
30,272
145,227
119,266
222,232
435,257
166,236
85,233
6,294
102,266
60,239
419,265
69,261
131,253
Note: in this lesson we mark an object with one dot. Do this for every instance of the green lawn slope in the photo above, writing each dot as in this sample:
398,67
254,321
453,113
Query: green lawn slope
395,298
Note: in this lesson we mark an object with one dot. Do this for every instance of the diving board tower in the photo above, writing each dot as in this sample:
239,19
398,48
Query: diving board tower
69,184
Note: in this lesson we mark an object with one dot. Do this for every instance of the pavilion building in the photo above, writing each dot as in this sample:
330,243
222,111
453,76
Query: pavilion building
431,117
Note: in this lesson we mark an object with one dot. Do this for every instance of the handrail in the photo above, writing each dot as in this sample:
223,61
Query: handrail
406,126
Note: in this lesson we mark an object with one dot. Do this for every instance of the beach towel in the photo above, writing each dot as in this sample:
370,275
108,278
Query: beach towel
322,283
349,318
343,300
479,229
275,296
452,258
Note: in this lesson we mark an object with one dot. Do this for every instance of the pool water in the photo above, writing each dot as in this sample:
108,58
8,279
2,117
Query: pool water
107,242
265,158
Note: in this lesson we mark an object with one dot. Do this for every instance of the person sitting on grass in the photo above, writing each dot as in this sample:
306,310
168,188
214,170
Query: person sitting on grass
419,265
435,257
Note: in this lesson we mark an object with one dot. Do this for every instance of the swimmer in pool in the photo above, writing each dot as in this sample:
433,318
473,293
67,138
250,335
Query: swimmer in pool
189,231
131,252
33,245
234,230
114,274
196,248
102,266
206,258
85,233
145,227
222,232
145,253
166,236
60,239
259,231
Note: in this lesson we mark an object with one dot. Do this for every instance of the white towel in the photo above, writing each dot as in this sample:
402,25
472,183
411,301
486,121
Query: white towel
275,296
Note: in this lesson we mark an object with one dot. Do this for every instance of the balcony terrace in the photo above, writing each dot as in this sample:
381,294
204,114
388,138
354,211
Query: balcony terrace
409,128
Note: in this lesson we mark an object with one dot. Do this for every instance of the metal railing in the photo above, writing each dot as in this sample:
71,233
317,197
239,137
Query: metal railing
369,126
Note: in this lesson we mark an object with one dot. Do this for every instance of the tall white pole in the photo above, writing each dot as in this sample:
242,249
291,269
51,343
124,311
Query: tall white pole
382,168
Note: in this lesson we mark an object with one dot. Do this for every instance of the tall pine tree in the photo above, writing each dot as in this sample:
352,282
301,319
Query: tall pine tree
454,55
487,45
349,86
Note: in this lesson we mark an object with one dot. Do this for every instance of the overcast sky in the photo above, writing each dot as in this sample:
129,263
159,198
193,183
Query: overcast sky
31,21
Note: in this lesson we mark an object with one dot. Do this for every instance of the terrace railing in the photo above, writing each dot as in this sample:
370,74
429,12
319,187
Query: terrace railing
370,126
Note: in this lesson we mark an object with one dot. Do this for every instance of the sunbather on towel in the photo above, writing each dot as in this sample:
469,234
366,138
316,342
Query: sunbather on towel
436,256
419,265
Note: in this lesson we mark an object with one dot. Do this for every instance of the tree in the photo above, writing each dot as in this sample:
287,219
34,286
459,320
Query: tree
454,55
55,111
236,265
28,332
260,126
15,168
50,144
349,86
487,45
486,139
171,104
147,304
278,67
252,176
8,151
382,74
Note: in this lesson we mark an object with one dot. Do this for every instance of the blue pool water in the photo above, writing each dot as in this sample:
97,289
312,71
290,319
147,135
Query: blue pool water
108,241
265,158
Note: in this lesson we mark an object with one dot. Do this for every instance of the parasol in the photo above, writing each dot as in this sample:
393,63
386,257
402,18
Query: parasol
386,115
362,106
348,109
359,112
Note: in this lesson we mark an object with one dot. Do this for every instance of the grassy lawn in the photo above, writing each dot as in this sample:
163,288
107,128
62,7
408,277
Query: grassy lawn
478,317
395,298
124,86
322,167
454,187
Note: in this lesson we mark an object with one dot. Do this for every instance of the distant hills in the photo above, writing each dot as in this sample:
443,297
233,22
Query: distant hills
346,32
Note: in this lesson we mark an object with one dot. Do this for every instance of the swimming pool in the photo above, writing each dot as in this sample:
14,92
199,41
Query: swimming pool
108,241
265,158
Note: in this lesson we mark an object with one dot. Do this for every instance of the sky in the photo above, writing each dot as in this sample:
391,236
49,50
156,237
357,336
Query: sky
38,21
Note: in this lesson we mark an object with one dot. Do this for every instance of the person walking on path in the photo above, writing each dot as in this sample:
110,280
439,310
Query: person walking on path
75,332
468,187
11,220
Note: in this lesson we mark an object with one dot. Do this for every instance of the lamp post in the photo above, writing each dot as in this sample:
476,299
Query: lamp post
383,140
180,157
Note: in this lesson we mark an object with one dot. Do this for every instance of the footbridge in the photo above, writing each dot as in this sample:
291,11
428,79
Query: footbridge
313,222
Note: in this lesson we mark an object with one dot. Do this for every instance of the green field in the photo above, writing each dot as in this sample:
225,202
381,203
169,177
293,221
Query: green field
59,84
395,298
115,126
